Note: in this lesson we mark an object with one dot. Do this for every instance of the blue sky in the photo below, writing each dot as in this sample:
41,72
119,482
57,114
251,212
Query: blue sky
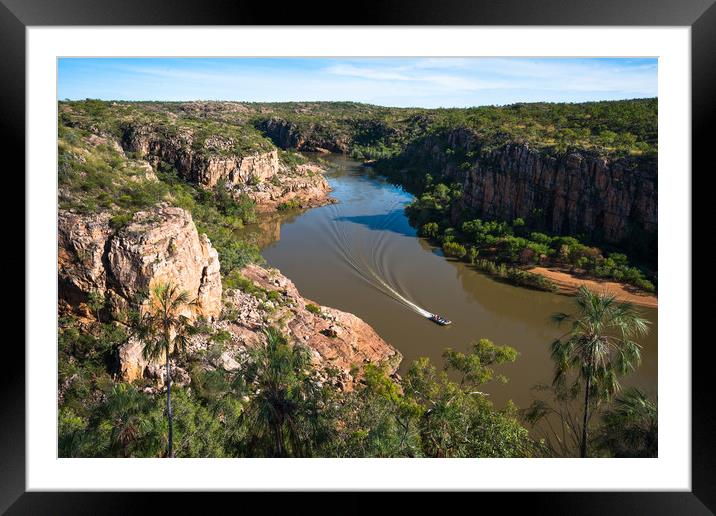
424,82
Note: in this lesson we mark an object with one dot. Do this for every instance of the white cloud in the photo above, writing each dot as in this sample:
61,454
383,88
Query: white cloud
429,82
367,73
518,74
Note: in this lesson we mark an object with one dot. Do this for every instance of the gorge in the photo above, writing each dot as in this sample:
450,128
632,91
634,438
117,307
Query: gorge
191,192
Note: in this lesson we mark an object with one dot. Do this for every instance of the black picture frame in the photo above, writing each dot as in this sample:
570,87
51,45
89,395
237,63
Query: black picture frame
700,15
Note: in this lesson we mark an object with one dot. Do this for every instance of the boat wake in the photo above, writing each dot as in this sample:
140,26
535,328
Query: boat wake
366,251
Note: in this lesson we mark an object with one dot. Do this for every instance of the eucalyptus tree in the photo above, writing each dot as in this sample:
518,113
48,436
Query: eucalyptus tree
456,418
164,330
599,346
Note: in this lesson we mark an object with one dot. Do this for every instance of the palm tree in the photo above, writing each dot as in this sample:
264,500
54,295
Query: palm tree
164,331
598,346
135,430
278,375
631,426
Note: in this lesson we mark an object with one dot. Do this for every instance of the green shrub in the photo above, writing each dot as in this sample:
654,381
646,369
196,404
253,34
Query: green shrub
289,205
236,280
430,230
314,309
531,280
120,221
454,250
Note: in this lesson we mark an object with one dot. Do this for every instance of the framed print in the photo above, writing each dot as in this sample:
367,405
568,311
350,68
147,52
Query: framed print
425,250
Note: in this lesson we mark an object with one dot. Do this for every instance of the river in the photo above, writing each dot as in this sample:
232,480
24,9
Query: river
362,256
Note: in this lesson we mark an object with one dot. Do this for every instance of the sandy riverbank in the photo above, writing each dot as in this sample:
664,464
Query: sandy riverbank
568,284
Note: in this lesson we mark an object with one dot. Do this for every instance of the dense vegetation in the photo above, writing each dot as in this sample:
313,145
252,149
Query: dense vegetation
203,135
613,128
277,403
503,249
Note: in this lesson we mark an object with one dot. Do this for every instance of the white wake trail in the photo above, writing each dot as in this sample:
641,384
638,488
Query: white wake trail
372,273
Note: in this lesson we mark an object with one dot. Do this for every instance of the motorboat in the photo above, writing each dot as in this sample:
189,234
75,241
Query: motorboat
439,320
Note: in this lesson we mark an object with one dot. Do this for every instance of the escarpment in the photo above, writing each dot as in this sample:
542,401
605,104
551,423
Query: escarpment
205,162
313,138
577,192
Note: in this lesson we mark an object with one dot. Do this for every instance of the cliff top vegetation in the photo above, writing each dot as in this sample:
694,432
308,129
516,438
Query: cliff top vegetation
608,128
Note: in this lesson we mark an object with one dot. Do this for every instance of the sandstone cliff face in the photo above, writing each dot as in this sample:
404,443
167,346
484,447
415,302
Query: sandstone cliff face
288,135
573,193
159,245
205,168
261,176
304,187
164,246
82,251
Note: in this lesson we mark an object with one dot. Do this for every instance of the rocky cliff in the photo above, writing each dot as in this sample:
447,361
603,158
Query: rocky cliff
158,245
313,138
162,244
571,193
207,162
260,175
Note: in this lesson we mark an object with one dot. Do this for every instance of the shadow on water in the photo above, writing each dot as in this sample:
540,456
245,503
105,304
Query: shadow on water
377,222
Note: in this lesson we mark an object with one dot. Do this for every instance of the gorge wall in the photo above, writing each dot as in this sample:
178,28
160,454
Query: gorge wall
313,138
577,192
194,164
567,194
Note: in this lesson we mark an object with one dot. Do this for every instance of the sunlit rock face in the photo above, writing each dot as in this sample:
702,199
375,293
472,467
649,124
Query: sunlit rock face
577,192
216,160
158,245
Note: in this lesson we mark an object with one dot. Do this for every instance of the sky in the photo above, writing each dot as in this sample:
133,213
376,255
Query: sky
399,82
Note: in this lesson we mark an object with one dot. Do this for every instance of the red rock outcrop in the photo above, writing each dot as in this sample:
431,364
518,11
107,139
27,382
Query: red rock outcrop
335,338
161,244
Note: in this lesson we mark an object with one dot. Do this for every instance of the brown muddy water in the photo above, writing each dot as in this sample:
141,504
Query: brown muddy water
362,256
